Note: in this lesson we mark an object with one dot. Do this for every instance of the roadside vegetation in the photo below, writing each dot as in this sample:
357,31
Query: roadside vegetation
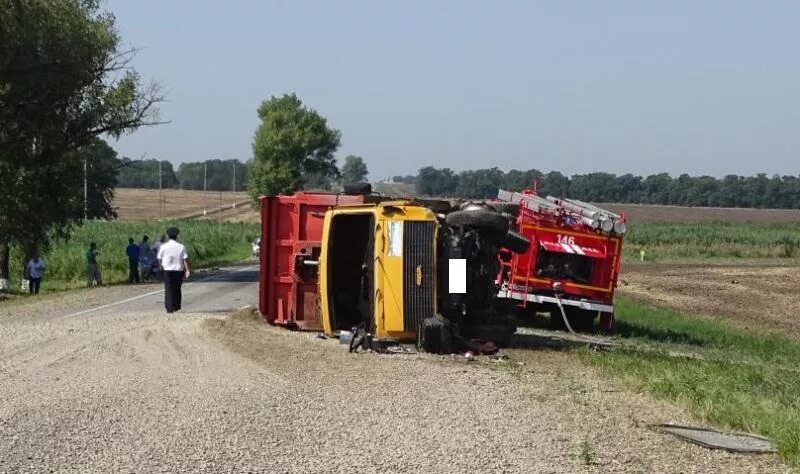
208,243
681,242
746,380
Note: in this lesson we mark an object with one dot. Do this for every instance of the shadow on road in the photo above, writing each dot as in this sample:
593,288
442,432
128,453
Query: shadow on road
241,276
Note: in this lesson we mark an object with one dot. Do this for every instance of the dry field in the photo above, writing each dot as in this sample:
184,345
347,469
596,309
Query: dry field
148,204
762,296
644,212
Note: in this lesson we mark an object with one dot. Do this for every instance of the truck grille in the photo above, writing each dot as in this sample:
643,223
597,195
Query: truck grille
418,273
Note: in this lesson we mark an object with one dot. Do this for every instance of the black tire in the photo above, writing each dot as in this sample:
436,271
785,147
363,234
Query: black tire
357,188
505,207
515,242
430,336
478,218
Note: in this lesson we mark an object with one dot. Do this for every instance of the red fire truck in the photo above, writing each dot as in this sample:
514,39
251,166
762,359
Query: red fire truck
572,265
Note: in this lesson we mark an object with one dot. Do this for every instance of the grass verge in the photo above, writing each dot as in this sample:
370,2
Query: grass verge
742,380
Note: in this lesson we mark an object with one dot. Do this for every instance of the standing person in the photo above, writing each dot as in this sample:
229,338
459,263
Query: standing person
145,259
157,245
174,263
132,250
92,269
35,270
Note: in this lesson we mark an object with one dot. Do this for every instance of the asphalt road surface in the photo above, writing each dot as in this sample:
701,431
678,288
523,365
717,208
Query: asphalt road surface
102,380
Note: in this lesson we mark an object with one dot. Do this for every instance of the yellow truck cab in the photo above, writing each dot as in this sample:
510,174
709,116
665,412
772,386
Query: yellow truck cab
377,268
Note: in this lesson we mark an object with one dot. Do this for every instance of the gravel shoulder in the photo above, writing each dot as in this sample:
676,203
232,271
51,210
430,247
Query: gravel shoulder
127,390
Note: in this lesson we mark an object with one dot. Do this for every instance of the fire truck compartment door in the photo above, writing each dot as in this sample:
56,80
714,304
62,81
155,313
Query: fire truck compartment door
594,252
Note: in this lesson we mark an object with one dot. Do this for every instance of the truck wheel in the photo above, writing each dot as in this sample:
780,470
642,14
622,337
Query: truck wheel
478,218
515,242
430,336
505,207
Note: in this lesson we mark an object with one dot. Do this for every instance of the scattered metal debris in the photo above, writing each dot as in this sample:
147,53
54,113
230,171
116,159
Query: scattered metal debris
713,439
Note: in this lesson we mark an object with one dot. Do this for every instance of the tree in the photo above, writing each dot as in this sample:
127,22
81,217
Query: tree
102,168
354,170
291,142
436,182
64,80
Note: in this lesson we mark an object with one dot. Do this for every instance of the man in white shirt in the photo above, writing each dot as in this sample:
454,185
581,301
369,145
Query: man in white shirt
35,270
174,264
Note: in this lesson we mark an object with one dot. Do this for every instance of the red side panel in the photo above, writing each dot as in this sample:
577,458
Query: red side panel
291,230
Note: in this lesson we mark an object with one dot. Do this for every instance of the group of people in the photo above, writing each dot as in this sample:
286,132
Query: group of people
143,259
166,257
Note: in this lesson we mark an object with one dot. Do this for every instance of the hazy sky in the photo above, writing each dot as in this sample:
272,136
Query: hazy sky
642,87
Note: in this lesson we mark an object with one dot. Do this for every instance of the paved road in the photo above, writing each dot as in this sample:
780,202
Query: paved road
221,291
102,380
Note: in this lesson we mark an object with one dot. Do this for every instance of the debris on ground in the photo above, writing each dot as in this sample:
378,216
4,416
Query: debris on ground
713,439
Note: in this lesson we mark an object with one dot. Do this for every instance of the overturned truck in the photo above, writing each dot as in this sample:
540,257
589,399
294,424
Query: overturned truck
381,266
337,262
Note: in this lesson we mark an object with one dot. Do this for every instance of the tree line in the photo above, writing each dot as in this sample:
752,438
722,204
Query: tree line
214,175
759,191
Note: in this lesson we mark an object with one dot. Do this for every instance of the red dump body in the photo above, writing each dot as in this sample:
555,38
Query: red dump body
291,231
570,256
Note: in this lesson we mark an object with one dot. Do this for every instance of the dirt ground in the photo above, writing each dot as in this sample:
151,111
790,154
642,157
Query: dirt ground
644,212
750,295
140,391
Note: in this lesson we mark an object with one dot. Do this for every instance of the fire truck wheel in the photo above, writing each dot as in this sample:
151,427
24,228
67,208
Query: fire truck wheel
505,207
478,218
515,242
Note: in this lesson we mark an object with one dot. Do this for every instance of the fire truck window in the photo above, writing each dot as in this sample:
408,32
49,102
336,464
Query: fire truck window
564,266
347,253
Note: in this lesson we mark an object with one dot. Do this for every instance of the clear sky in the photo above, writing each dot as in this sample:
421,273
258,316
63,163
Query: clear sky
680,86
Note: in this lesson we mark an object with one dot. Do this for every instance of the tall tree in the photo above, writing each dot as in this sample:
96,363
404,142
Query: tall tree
64,80
354,170
291,142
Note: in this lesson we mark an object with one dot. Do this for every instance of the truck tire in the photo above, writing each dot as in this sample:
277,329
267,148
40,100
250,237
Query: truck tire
515,242
505,207
357,188
433,336
479,218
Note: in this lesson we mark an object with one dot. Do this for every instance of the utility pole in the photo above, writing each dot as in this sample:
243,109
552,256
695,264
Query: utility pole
234,184
160,194
86,189
205,186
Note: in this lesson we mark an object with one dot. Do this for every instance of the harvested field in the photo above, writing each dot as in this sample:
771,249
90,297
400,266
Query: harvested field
643,212
760,296
146,204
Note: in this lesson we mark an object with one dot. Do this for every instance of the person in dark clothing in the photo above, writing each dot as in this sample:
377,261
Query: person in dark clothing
93,269
174,263
133,260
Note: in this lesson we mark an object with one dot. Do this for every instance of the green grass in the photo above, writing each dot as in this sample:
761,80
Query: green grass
208,243
679,242
739,379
